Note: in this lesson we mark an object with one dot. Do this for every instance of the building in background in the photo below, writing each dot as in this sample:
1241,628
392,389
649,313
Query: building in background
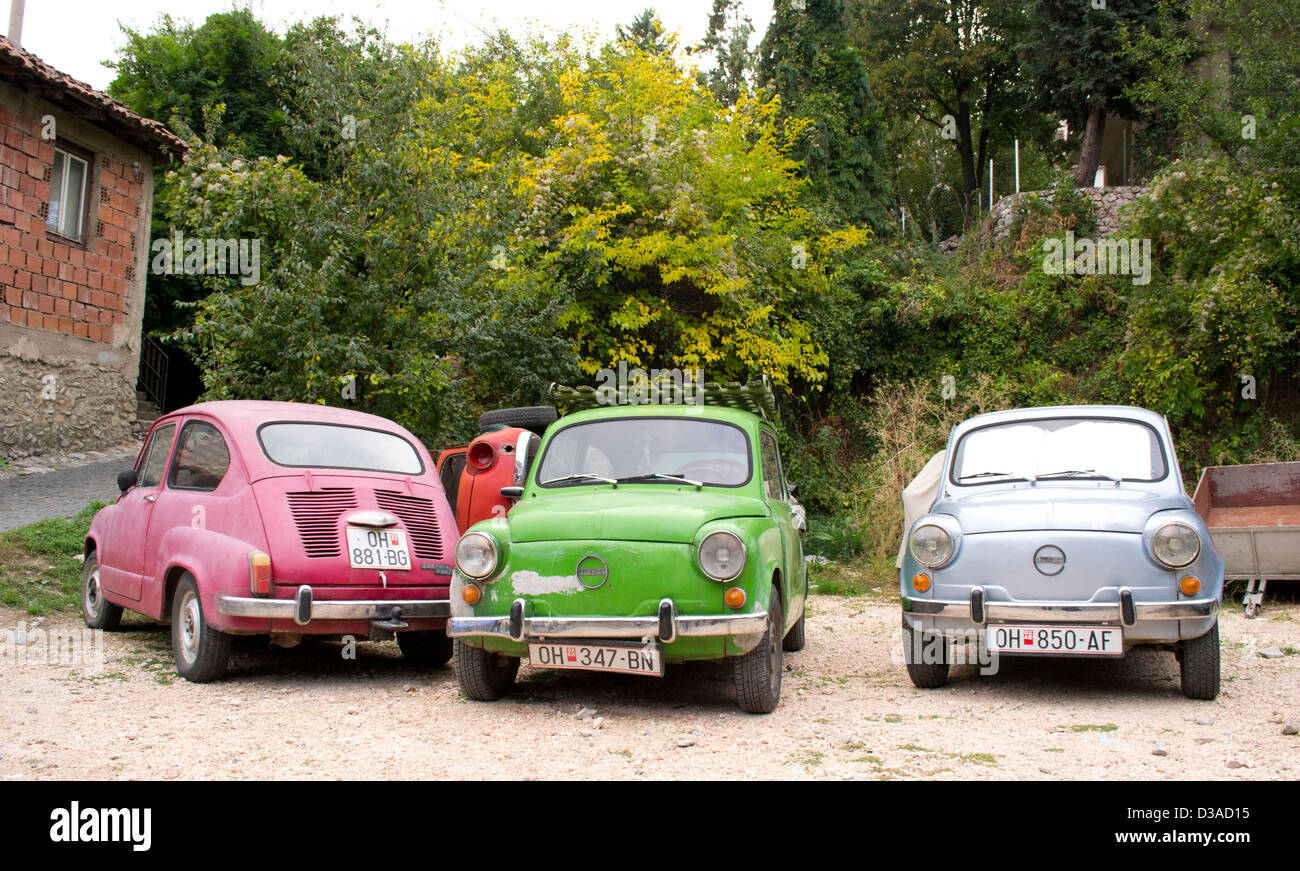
76,195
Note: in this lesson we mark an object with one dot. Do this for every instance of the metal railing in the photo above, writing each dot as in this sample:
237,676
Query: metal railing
152,380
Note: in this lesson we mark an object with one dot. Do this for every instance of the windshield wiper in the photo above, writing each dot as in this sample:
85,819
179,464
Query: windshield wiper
986,475
581,476
660,476
1075,473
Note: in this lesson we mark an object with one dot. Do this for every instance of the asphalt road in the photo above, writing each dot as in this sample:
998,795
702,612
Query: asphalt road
61,493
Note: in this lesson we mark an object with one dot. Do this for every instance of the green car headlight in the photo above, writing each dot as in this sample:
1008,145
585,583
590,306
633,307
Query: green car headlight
722,555
476,555
1176,545
931,545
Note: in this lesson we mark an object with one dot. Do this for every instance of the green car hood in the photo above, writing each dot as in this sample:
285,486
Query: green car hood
632,512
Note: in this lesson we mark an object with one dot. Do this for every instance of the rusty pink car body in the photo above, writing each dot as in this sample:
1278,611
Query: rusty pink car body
199,522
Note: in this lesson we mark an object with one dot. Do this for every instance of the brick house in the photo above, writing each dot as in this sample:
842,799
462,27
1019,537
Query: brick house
76,195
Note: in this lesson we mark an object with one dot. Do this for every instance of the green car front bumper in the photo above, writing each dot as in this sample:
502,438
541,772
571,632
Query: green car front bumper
667,625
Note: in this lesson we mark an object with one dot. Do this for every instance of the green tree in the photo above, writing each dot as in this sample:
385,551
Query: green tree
951,64
838,131
647,33
728,39
178,69
1073,55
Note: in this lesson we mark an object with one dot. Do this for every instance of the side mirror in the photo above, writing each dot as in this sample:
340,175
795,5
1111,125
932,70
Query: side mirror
126,480
512,492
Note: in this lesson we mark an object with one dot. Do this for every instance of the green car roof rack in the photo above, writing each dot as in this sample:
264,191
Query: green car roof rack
755,396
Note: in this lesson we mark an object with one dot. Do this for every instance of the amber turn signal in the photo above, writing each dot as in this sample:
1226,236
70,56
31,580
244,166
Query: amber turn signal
734,597
470,594
1191,585
259,573
921,582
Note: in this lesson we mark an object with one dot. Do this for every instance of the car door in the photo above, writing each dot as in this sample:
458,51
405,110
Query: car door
189,497
125,548
778,502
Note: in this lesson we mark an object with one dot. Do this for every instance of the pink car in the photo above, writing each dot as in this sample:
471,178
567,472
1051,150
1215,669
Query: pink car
279,518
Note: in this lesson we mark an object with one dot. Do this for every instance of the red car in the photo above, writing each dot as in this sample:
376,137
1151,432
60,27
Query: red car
275,518
480,478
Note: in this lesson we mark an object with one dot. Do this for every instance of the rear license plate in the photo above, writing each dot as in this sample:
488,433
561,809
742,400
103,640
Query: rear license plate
378,549
1055,640
647,659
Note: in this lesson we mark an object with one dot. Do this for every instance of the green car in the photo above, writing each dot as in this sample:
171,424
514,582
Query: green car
642,535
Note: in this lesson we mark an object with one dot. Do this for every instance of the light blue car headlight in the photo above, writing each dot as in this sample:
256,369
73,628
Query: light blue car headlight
931,545
1176,545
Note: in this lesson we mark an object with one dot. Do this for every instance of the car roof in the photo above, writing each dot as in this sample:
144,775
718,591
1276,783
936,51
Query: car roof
700,412
242,417
1116,412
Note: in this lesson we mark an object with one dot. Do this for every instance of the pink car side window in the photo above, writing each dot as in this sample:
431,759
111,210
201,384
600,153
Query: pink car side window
155,462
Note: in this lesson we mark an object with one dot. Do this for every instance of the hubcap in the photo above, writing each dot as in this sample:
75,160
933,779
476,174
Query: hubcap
92,594
191,624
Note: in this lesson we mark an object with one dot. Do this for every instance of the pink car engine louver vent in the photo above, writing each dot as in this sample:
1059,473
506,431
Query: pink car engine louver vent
316,515
420,520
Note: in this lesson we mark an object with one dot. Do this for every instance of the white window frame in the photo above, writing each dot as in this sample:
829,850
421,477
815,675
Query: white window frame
60,224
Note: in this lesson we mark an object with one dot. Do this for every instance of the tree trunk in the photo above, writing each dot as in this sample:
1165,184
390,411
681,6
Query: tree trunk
1090,149
969,171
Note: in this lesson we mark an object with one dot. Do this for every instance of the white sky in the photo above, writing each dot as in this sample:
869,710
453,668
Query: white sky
75,35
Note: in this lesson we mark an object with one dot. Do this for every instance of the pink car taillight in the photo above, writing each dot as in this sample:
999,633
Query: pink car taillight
259,573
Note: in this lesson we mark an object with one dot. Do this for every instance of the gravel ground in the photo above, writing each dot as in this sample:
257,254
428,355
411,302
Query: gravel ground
848,711
36,488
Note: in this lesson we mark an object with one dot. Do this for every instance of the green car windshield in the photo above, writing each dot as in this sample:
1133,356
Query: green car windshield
650,450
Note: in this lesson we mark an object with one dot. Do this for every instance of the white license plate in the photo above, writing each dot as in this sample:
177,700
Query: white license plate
1054,640
378,549
627,659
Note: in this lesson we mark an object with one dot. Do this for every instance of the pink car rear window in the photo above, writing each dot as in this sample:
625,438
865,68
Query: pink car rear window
336,446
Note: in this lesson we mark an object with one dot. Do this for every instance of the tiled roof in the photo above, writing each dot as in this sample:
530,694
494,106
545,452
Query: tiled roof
28,72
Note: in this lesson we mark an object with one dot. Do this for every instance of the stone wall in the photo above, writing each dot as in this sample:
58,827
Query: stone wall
1108,202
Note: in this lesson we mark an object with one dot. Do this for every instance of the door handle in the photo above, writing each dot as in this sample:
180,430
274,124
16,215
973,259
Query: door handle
150,498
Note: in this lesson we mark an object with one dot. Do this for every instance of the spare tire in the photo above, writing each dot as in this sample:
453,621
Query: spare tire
533,417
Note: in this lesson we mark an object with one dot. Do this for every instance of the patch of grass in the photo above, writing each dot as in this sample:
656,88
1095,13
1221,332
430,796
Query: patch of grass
1089,727
893,718
1053,749
39,569
626,754
874,760
860,577
915,748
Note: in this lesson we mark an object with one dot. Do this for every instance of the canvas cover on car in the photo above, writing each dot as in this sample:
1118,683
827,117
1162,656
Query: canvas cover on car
918,496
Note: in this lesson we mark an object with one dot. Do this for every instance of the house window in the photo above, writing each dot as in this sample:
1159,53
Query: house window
67,195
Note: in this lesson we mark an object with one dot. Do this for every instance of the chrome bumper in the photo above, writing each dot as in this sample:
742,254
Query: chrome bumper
1126,611
666,626
303,608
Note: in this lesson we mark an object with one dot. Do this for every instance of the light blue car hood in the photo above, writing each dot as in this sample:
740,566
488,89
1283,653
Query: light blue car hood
1081,507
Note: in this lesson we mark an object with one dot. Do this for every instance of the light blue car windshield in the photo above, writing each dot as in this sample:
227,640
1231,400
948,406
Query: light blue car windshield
1061,448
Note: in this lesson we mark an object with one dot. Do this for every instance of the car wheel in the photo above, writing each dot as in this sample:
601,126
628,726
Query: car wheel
98,612
796,638
482,674
1200,665
758,673
533,417
926,675
426,649
201,652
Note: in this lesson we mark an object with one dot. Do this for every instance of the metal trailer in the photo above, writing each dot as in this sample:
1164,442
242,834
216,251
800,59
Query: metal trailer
1253,513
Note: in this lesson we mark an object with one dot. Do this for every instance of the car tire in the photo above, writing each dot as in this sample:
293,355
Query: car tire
797,637
483,675
758,673
926,675
98,612
202,653
1199,665
425,649
533,417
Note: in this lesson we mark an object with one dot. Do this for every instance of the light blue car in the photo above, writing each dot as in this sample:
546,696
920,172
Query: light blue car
1061,531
